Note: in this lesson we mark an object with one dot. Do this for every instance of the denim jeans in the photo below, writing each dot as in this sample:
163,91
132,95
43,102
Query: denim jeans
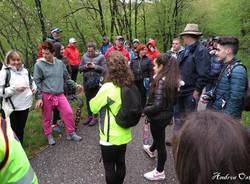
183,107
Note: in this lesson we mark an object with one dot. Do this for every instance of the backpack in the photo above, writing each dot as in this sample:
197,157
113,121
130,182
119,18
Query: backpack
130,112
7,84
246,100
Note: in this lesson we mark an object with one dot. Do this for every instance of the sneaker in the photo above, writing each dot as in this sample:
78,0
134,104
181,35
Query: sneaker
51,140
73,137
93,122
88,120
147,150
56,128
155,175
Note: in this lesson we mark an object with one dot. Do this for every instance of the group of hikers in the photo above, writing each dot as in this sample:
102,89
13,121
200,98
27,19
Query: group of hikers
207,145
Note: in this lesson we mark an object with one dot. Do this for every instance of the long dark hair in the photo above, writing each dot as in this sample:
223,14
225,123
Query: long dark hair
57,50
209,143
170,74
118,70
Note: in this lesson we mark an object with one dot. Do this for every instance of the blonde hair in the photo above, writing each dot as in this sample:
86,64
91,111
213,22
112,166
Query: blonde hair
11,54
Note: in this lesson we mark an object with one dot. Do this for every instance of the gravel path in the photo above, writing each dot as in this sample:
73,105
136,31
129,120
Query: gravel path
78,162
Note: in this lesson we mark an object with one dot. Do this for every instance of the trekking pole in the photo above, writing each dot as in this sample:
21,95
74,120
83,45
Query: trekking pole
80,104
146,133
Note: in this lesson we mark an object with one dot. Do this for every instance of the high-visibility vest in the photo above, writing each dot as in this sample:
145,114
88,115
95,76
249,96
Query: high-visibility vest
15,164
110,132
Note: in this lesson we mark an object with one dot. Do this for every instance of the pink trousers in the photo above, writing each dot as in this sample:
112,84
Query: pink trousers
61,103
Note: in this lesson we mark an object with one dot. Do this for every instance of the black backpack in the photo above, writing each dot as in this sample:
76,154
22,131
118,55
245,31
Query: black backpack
246,102
131,108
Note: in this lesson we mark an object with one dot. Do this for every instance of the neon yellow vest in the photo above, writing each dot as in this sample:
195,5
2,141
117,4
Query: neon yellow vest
17,168
117,134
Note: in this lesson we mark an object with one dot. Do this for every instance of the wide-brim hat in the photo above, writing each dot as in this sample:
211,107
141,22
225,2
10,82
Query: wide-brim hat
191,29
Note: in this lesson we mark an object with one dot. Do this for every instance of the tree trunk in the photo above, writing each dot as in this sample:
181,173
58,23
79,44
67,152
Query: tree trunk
2,51
136,13
112,23
130,21
26,26
41,18
144,24
101,18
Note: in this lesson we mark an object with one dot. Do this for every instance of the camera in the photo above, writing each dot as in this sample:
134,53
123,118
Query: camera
209,95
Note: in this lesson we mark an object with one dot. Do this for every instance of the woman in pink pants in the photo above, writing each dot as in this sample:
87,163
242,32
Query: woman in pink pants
49,75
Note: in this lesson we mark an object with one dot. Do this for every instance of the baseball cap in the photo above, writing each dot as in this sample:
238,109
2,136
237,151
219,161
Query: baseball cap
55,30
72,40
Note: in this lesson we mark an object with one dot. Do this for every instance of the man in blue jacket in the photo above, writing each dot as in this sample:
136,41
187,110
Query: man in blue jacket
194,64
231,86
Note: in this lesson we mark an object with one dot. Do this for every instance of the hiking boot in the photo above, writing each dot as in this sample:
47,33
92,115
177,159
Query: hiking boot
51,140
88,120
56,128
155,175
73,137
93,122
147,150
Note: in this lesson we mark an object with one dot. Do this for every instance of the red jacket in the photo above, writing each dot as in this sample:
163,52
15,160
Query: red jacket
149,53
122,50
72,53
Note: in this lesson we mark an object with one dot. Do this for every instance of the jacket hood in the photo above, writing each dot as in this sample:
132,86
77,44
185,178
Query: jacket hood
152,42
71,46
44,60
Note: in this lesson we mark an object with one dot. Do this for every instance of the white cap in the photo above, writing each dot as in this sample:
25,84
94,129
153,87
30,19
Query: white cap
72,40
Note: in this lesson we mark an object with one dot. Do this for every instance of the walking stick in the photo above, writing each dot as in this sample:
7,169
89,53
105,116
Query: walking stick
146,133
80,104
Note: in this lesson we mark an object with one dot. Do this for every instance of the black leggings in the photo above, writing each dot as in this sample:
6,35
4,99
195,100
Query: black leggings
18,120
158,133
90,93
56,116
114,163
74,72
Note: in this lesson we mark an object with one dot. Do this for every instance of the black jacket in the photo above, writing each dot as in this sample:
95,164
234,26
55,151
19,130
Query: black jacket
142,68
157,107
194,64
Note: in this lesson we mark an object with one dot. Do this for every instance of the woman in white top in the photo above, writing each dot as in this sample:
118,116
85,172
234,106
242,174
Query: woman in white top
17,96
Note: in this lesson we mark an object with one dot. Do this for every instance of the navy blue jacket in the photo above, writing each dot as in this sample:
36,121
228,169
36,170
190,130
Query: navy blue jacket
231,89
194,64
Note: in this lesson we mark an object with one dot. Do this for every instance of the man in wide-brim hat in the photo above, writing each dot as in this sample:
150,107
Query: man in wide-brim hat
194,64
191,29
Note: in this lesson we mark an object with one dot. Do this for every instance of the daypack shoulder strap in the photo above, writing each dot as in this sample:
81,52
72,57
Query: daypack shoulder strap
7,79
7,84
30,80
231,67
3,129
